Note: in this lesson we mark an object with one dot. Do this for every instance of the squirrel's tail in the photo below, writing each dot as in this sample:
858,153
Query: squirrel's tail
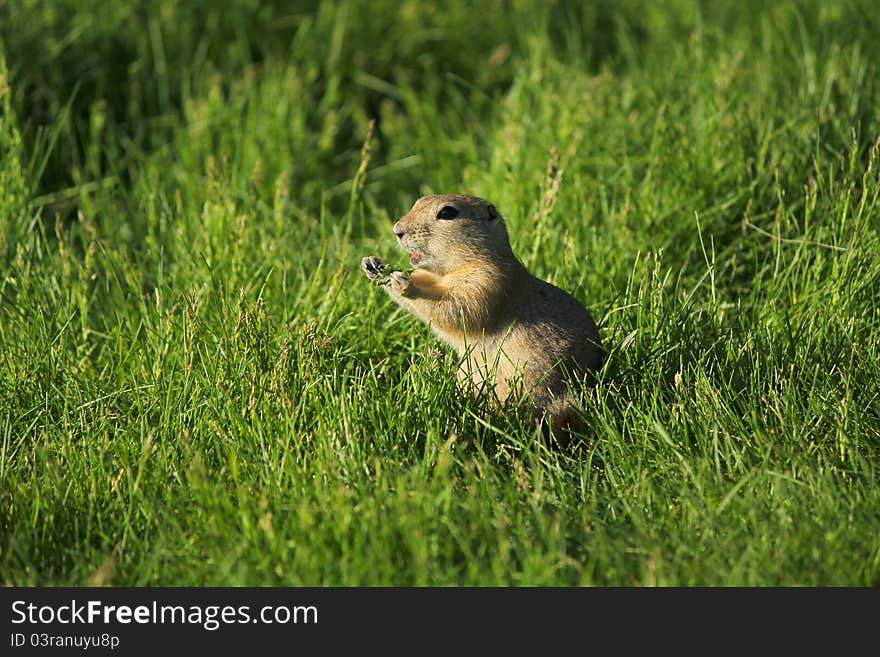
563,418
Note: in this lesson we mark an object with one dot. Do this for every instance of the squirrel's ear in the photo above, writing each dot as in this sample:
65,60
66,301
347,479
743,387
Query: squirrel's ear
493,213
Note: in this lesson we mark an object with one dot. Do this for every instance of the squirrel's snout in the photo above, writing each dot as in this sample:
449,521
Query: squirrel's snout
399,230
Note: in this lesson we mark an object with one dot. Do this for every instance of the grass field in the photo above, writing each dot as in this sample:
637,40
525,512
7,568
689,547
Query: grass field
198,386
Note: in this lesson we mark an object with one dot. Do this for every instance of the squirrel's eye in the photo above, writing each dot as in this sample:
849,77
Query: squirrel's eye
448,212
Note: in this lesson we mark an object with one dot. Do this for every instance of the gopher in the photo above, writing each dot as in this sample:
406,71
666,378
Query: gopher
512,330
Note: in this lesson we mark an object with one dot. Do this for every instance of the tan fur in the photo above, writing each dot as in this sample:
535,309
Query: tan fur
507,325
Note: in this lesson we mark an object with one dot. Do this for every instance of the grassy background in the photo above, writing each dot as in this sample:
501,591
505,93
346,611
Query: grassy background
198,386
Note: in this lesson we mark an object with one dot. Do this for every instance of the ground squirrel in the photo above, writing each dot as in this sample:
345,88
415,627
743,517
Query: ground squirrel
509,327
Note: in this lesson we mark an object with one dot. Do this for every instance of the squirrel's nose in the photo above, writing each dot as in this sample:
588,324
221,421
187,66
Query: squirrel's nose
398,230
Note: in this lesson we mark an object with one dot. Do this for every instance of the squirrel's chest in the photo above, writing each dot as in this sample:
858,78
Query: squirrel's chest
488,351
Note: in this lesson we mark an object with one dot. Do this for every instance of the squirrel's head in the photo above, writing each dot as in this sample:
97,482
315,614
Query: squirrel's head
446,231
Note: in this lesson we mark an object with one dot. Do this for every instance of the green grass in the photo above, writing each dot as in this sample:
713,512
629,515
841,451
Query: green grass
199,387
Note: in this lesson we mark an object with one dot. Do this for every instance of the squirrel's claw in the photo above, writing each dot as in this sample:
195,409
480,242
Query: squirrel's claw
399,282
372,266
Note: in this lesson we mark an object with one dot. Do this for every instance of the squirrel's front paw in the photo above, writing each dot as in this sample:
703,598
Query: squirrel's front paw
372,267
399,282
